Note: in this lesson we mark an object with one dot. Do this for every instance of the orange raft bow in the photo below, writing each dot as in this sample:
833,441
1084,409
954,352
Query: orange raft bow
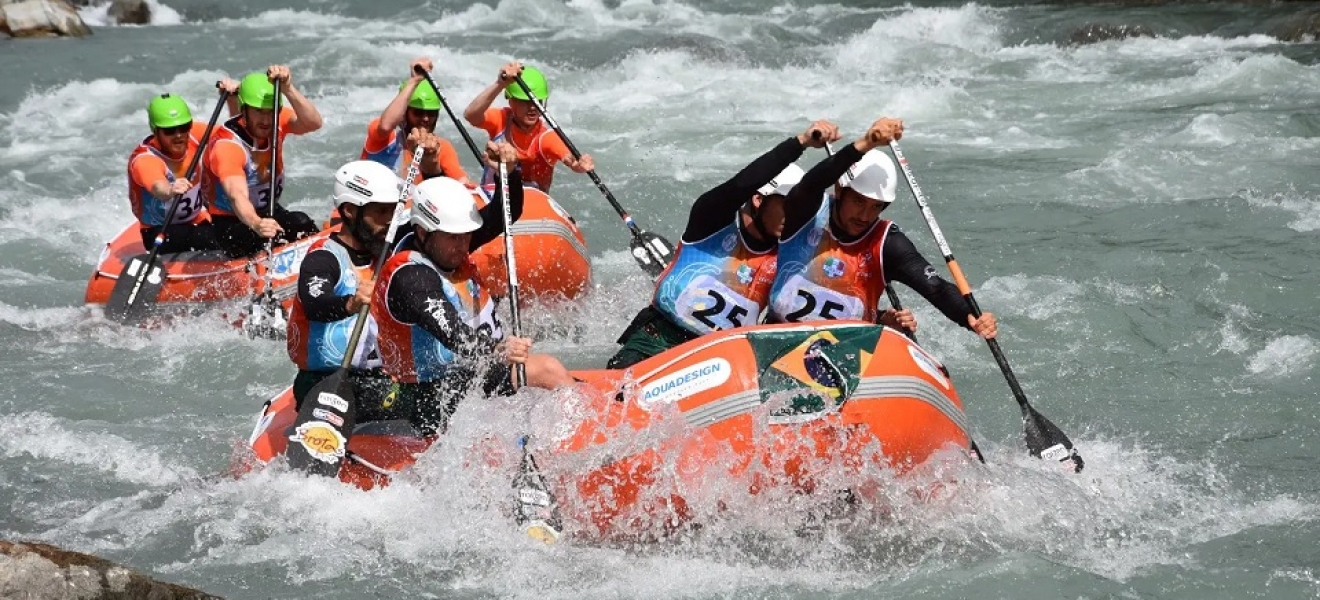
792,407
556,264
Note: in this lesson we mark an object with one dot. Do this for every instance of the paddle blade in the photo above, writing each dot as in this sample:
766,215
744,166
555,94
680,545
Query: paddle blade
535,508
265,319
1047,441
652,252
318,440
136,290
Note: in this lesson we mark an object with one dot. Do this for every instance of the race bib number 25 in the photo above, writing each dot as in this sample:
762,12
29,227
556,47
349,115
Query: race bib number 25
714,306
802,300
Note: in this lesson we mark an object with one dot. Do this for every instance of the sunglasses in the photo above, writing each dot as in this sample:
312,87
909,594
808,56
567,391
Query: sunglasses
176,130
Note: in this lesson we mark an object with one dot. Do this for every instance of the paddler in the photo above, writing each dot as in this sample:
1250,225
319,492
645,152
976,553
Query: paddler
335,281
439,337
241,182
520,124
836,255
157,172
721,273
408,123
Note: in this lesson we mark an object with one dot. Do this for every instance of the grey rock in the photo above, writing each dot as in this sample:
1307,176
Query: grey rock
34,571
1099,32
42,18
130,12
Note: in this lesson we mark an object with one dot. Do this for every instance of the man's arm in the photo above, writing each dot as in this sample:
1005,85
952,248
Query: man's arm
711,211
415,297
904,264
492,219
317,279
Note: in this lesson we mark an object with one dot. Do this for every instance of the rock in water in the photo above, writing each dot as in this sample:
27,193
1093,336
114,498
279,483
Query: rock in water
42,572
1099,32
42,18
130,12
1299,28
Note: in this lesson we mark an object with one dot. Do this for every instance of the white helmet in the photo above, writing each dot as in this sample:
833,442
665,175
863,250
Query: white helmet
442,204
783,183
874,176
364,182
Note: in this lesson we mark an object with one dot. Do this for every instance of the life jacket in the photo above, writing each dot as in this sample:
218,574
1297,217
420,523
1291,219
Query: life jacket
256,168
822,278
538,170
318,345
410,353
716,283
394,153
150,210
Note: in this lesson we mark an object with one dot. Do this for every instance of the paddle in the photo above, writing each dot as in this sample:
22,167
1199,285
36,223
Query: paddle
1044,438
535,509
266,316
418,69
322,441
140,281
652,252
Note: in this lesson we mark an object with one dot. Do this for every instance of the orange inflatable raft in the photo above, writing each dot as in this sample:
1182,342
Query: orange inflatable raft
796,408
553,263
198,279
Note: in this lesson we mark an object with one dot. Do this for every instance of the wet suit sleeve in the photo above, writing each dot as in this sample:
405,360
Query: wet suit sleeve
415,297
805,199
904,264
492,221
711,212
316,281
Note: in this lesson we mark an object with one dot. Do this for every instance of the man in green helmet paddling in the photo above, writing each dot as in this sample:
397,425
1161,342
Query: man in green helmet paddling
240,181
538,146
408,123
157,172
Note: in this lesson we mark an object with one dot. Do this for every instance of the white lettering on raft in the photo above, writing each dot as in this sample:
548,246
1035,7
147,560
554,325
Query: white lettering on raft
696,378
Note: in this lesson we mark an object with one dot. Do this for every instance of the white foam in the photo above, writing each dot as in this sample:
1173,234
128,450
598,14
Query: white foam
43,436
1305,207
1284,356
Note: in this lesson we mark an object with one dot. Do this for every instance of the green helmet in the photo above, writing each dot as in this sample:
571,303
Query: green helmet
423,96
256,91
167,110
534,80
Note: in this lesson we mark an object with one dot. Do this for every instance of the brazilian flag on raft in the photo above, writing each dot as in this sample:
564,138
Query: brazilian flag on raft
810,368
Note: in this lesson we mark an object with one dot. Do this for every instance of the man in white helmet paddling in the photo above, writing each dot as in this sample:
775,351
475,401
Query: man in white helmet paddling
836,254
721,273
439,337
335,281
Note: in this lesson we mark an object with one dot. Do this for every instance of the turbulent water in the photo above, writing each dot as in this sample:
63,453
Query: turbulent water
1142,215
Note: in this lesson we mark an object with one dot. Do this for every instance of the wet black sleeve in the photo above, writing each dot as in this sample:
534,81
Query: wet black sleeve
492,221
712,211
317,279
904,264
415,298
805,199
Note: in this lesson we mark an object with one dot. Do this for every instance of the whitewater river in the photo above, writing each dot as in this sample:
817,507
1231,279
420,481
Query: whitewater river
1141,214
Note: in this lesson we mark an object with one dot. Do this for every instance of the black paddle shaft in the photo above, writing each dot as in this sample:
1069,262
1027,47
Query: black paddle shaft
600,185
1043,437
472,145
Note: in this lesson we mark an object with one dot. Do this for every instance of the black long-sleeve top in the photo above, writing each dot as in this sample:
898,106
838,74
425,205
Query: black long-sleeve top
902,262
317,278
711,212
416,295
